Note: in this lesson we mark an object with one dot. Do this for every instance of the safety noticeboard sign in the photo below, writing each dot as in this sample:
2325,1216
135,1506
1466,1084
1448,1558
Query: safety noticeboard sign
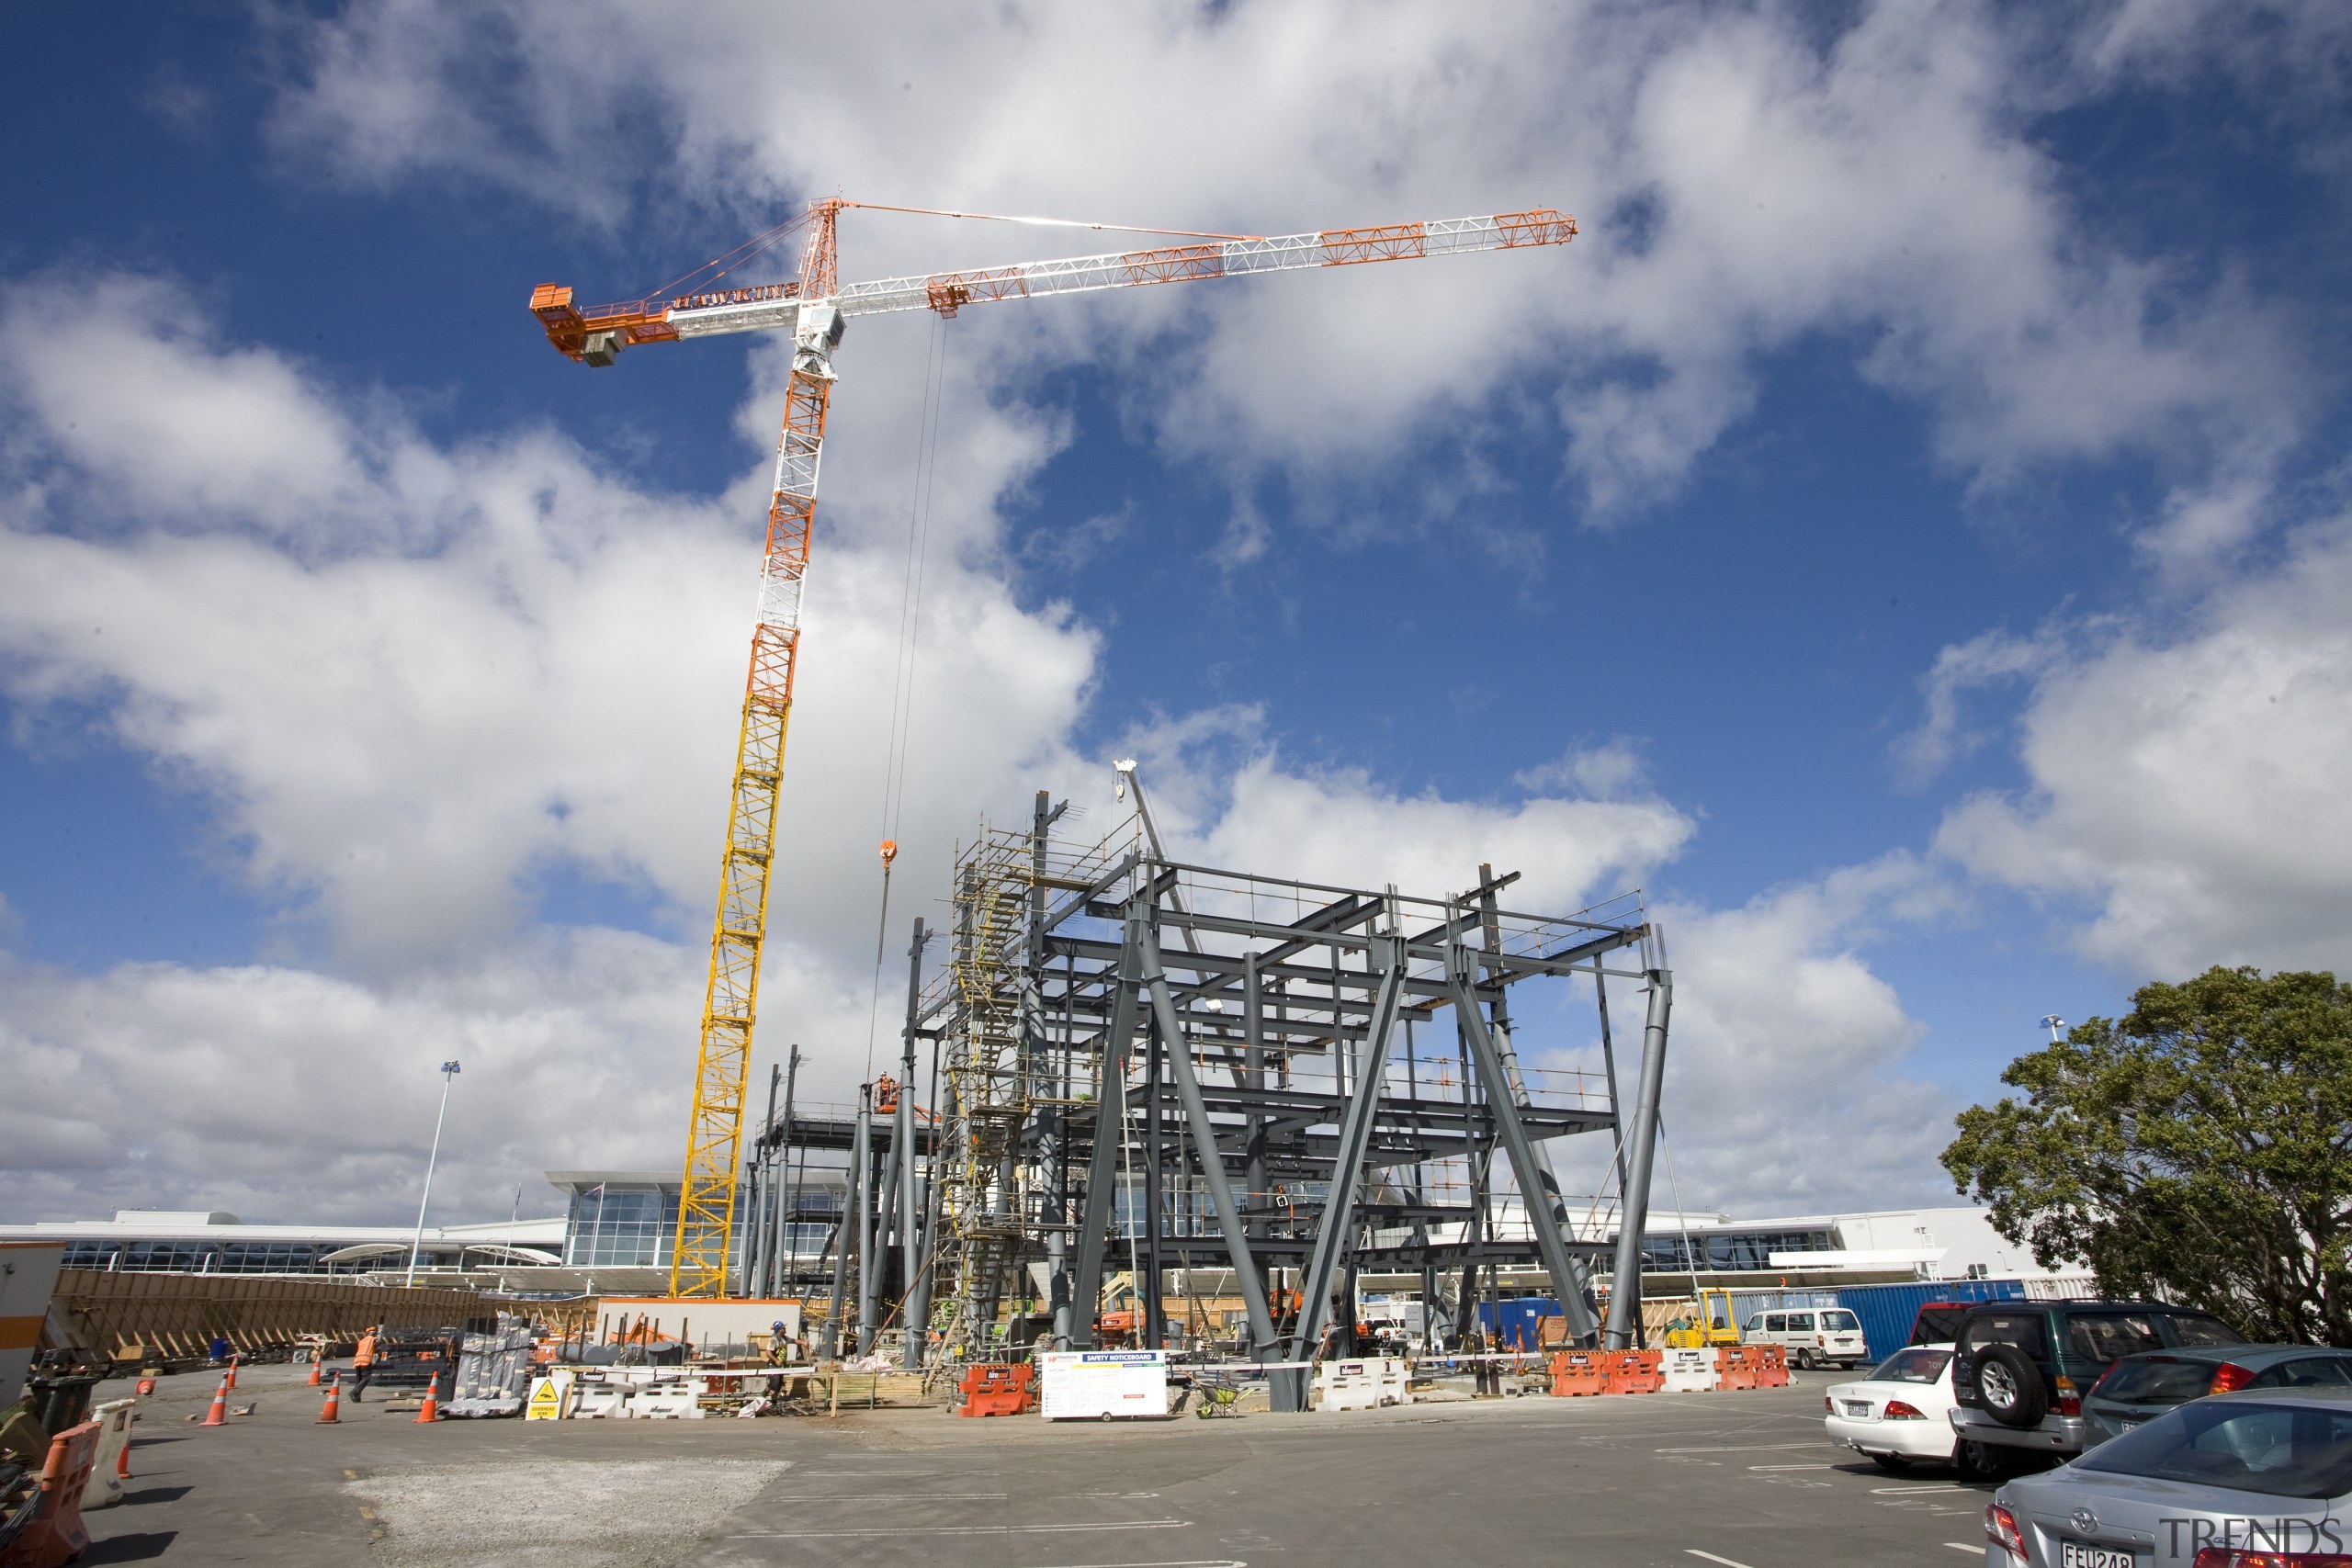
1089,1385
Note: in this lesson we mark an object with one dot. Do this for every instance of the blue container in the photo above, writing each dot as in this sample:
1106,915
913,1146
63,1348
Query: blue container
1886,1311
1513,1324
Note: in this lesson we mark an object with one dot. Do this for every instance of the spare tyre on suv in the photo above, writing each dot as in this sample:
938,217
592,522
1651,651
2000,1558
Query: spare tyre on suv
2020,1369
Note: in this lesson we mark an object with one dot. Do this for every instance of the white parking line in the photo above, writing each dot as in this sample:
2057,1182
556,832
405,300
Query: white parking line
1792,1467
1906,1491
1744,1448
1710,1557
905,1496
1963,1546
963,1529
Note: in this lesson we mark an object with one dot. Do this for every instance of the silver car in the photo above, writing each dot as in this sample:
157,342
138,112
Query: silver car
2266,1471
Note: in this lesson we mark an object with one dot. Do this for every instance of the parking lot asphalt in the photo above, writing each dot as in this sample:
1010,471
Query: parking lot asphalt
1744,1479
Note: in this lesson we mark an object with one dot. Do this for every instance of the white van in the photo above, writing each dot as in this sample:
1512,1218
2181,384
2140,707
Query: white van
1813,1336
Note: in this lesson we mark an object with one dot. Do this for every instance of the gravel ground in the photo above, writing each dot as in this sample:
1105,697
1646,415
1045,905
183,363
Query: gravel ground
559,1513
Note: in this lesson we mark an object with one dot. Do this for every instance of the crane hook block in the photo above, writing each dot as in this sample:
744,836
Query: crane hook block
889,851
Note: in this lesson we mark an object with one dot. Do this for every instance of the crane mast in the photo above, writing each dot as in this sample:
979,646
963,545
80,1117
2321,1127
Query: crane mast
814,308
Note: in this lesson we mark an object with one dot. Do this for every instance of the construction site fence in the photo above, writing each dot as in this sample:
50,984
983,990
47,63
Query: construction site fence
164,1317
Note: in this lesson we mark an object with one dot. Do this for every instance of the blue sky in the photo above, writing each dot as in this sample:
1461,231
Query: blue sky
1903,533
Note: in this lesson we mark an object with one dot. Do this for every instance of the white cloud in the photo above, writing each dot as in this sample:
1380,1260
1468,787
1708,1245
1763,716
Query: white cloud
288,1096
464,664
1942,737
1786,1087
2185,777
1746,185
1607,771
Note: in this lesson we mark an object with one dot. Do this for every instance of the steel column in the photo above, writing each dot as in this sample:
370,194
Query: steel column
1633,1209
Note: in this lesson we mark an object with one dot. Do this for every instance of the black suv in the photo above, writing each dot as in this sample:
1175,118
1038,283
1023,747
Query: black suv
2020,1369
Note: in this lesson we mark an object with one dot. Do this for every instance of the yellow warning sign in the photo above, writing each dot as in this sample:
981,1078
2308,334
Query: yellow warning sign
547,1402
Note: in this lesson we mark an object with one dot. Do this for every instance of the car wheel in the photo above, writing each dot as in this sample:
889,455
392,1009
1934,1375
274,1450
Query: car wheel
1893,1464
2009,1387
1976,1461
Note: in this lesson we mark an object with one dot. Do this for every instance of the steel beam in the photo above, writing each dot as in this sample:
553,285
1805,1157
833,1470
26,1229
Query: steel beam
1335,1237
1212,1175
1538,1188
1102,1167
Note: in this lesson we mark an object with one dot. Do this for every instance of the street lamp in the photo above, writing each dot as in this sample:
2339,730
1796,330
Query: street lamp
449,1071
2053,1023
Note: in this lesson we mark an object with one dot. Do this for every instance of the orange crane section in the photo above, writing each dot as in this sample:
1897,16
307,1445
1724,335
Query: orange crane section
814,308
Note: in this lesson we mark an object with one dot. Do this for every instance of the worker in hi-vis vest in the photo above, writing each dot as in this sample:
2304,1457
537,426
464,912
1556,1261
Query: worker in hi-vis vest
363,1362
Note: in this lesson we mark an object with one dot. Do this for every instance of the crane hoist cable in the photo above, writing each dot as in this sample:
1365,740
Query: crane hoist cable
814,308
902,675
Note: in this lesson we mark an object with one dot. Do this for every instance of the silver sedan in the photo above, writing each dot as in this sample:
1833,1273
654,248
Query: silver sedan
2236,1473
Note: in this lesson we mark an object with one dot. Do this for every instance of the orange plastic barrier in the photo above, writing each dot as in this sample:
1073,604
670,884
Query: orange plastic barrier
1636,1372
54,1534
1733,1368
1579,1372
998,1388
1771,1363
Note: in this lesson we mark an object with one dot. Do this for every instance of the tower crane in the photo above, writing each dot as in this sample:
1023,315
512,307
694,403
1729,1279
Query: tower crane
813,308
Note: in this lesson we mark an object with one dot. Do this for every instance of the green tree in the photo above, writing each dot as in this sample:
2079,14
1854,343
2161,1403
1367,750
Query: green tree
2201,1145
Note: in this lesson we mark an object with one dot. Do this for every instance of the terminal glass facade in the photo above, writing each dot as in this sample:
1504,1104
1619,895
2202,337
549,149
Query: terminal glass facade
236,1257
1727,1252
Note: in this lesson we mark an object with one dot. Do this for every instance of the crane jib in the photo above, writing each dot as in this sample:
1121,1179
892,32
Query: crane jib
947,292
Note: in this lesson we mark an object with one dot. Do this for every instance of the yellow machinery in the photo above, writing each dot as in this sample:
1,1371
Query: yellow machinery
1713,1323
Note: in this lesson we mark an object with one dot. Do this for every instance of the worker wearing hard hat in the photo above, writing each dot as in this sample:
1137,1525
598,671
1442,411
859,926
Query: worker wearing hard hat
363,1362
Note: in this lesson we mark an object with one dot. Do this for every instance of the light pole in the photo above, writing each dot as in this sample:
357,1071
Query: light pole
2056,1026
449,1071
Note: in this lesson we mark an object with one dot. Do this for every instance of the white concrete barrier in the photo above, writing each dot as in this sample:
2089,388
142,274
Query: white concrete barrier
1689,1371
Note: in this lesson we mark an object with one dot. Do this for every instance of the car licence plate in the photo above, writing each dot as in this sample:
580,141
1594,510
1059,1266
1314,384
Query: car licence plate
2082,1554
1858,1406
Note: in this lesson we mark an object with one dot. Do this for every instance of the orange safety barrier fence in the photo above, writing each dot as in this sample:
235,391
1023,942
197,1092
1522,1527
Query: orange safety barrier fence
998,1388
1575,1374
1636,1372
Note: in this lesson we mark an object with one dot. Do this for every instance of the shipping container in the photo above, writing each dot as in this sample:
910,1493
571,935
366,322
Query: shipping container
1886,1311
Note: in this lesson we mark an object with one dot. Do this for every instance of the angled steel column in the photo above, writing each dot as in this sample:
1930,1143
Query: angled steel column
1633,1209
1229,1213
1334,1238
1110,1130
1155,1185
1537,1185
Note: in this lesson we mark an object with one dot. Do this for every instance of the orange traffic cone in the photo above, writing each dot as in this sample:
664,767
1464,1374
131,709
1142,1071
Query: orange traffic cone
314,1376
231,1381
122,1461
332,1414
431,1409
146,1387
219,1415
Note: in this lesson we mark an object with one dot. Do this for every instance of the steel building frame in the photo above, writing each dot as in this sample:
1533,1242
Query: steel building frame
1109,1016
